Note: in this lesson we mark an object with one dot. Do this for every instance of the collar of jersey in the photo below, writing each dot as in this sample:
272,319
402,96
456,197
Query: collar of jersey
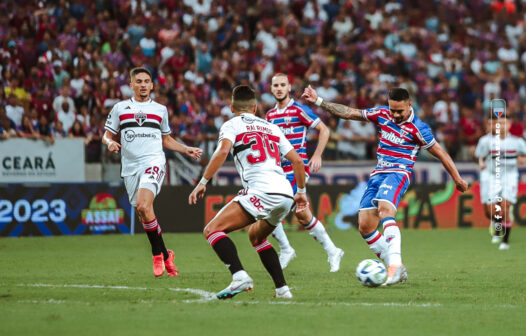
410,119
288,105
137,102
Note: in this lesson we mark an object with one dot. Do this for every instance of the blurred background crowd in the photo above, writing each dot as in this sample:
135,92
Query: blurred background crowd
64,64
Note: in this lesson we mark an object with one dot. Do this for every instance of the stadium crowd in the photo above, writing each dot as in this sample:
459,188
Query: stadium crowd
63,64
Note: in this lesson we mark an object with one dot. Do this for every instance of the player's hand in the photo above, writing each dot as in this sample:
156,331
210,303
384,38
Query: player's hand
315,163
197,193
310,95
194,152
482,166
462,185
114,146
301,202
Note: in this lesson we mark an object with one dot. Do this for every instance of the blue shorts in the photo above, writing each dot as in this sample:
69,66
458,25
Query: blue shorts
389,187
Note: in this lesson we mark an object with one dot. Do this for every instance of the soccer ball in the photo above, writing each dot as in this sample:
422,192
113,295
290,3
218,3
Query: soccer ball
371,272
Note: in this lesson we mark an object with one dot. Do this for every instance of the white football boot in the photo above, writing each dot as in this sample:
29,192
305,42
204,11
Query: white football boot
335,258
395,274
283,293
504,246
241,282
286,256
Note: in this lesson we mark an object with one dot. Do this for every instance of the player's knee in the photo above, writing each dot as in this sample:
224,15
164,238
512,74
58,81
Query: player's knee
143,209
386,211
254,236
365,226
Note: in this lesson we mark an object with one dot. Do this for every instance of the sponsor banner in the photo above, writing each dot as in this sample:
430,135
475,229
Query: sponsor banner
63,209
352,173
24,160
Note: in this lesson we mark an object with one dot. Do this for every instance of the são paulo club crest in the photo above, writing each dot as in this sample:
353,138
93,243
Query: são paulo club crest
140,117
498,111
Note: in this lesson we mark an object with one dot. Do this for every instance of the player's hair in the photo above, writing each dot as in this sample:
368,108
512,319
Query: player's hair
398,94
135,71
243,98
280,74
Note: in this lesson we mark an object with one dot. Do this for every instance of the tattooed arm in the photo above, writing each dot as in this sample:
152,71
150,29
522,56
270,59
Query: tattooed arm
338,110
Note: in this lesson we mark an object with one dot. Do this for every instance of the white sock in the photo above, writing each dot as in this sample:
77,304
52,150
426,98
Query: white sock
378,245
281,237
393,238
317,231
239,275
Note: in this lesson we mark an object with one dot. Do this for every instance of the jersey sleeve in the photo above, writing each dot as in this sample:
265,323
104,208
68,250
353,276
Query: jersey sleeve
113,122
227,131
522,147
308,117
372,114
424,136
165,127
482,149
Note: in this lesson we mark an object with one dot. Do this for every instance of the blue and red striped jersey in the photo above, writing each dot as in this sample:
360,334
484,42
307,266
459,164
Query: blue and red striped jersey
294,121
399,143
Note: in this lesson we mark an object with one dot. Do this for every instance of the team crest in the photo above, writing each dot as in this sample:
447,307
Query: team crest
288,120
140,118
402,133
498,111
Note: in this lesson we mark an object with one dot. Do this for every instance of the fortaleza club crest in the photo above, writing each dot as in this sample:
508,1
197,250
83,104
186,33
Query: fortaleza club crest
498,111
140,118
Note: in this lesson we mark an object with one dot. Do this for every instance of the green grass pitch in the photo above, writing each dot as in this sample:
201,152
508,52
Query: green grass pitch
459,284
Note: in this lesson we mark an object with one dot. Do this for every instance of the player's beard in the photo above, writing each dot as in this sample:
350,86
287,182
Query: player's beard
143,96
285,97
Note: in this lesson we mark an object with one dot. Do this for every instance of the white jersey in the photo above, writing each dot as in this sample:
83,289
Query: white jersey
142,126
500,154
257,150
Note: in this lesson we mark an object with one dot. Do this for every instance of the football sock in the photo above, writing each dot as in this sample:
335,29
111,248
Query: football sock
163,247
317,231
270,260
226,250
152,228
378,245
393,238
281,237
506,229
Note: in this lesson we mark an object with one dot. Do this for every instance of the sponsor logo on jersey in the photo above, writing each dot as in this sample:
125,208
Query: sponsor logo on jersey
140,118
390,136
257,203
390,187
287,130
247,119
130,135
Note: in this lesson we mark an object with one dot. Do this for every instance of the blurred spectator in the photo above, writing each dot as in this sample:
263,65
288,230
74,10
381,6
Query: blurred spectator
77,130
58,130
44,129
59,73
14,110
209,137
357,139
7,126
26,130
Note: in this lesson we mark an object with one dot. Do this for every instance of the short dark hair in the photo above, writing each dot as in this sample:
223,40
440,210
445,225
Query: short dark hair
135,71
398,94
243,98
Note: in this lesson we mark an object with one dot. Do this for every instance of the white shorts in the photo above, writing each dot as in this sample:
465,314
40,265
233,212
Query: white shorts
271,207
509,183
150,178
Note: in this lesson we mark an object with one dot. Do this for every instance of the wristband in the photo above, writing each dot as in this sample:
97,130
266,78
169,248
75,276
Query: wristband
319,101
203,180
301,190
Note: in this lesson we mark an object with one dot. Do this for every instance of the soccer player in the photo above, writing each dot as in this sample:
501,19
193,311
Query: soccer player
257,147
402,135
500,154
144,131
483,149
294,120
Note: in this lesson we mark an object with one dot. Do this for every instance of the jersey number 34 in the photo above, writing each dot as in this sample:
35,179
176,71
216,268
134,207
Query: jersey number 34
265,146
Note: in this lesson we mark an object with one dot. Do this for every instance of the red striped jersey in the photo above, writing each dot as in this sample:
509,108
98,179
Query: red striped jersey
294,120
142,126
257,148
399,143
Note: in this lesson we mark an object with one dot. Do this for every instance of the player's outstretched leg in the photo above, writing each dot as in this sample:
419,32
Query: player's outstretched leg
317,231
505,245
227,252
396,272
257,234
368,221
286,252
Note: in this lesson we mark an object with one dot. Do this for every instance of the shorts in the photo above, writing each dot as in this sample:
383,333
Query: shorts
509,183
150,178
292,179
267,206
388,187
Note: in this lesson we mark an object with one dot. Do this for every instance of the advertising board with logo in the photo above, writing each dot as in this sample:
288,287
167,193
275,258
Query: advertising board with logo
63,209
